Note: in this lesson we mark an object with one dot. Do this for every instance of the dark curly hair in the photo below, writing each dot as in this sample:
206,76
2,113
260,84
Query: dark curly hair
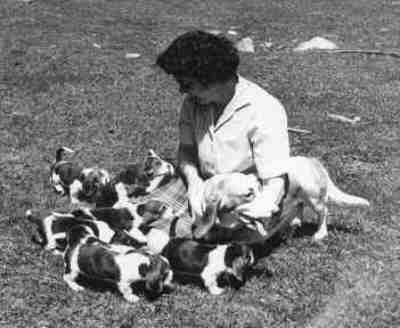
202,56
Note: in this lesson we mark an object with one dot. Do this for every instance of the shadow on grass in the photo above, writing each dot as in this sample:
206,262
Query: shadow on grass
307,229
224,280
102,286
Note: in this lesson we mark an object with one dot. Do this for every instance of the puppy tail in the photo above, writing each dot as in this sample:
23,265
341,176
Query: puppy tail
61,151
38,237
338,197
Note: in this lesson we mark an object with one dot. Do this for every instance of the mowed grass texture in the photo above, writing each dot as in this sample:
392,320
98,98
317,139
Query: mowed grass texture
64,80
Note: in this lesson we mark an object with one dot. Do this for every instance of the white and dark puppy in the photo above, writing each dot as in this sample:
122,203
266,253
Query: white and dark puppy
128,217
93,187
82,185
308,184
157,170
143,179
208,262
63,173
91,257
51,231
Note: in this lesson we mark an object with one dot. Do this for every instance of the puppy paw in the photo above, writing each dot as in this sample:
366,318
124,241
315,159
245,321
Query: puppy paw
271,210
319,235
57,252
131,298
72,284
171,286
214,290
317,242
296,222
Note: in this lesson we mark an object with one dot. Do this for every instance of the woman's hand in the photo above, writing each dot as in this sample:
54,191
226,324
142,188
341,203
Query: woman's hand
186,157
196,197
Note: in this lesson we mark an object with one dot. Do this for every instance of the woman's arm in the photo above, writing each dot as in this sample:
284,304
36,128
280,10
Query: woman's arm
270,142
188,160
187,152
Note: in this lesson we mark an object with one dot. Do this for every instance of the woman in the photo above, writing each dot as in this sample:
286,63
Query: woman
227,123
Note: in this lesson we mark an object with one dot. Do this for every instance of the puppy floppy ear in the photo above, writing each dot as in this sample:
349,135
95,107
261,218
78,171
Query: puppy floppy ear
90,185
153,208
154,274
233,251
141,209
143,269
202,225
238,258
156,206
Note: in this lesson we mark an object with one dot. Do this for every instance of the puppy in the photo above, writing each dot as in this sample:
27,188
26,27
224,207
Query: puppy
157,170
63,173
92,189
91,257
52,231
308,184
82,185
95,189
207,261
129,217
225,192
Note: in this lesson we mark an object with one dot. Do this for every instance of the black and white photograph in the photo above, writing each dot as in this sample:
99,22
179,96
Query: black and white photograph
199,164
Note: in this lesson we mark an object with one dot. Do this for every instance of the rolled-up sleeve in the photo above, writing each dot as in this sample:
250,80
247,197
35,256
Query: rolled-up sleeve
269,137
186,125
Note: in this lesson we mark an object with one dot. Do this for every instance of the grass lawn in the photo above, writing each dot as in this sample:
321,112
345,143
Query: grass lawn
64,80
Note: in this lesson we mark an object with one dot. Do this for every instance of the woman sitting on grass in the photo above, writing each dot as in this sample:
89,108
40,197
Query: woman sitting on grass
227,123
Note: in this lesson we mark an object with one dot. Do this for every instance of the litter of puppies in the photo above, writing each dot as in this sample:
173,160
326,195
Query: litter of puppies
108,236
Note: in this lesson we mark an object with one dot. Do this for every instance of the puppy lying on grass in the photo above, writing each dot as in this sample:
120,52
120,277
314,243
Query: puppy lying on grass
308,184
128,216
51,233
89,256
123,224
208,262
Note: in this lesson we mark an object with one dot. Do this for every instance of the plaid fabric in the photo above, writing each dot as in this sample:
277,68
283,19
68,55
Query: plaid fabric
174,194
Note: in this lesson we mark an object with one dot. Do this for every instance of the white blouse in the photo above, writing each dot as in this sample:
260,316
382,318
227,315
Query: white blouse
250,133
